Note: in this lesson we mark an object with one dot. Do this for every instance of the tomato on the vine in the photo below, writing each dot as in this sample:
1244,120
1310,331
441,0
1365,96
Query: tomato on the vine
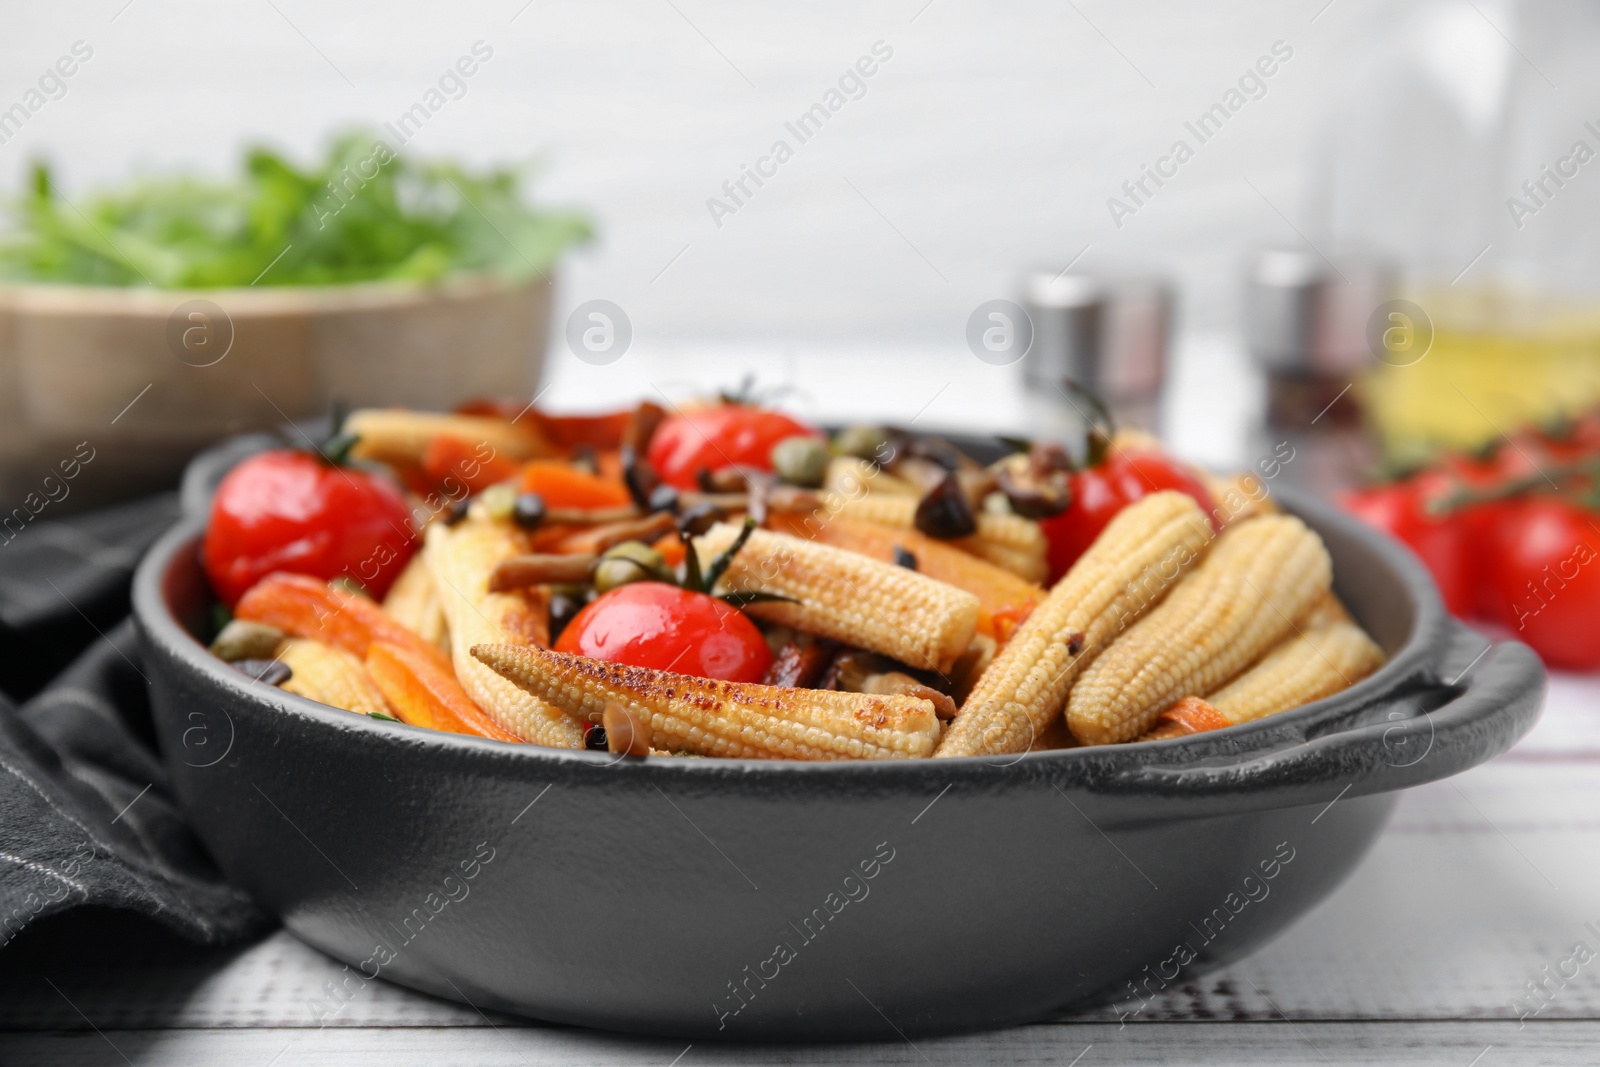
1440,541
1476,521
712,438
656,625
1547,579
288,510
1100,491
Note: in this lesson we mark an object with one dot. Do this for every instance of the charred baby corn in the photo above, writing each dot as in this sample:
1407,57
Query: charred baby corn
848,597
330,676
461,559
1258,578
715,718
1140,554
396,435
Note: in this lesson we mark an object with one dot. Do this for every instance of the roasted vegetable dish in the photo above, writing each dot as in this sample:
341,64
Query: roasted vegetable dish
723,580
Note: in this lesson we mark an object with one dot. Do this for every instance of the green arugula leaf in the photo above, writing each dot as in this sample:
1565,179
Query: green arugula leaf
362,213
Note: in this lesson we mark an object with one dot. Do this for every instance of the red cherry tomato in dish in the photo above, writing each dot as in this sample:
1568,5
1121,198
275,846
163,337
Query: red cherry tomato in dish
291,511
1441,542
652,624
1099,492
1547,579
712,438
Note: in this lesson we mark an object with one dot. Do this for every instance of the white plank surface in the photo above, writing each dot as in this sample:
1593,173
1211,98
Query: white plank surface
1475,1044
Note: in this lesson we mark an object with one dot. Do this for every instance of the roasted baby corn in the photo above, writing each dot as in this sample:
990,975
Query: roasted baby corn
714,718
461,559
1140,554
1008,541
996,588
396,435
1239,497
1316,662
849,477
848,597
414,602
330,676
1259,576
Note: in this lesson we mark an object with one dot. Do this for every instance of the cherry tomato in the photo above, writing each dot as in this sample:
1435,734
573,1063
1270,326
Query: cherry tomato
1586,432
1547,578
652,624
712,438
1099,492
291,511
1399,509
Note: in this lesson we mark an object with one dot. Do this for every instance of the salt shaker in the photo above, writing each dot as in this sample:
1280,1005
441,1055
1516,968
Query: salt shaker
1107,335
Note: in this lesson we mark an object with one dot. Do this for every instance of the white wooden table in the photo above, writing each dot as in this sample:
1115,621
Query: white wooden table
1476,886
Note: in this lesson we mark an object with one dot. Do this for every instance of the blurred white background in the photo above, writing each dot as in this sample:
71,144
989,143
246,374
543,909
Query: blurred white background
988,143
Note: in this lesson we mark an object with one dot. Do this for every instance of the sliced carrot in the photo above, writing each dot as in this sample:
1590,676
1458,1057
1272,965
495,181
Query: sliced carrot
671,549
1194,715
306,607
473,463
1003,623
1004,599
424,694
564,486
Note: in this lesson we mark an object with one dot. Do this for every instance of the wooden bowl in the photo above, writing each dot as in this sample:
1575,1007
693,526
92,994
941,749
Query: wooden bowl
106,392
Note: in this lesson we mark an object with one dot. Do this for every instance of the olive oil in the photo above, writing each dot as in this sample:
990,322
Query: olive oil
1498,361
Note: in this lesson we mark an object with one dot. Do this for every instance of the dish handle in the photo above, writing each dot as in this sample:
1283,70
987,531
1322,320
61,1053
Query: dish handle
1477,699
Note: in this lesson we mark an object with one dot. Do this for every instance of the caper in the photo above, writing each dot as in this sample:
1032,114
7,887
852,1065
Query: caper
863,442
241,639
609,574
662,498
498,501
636,552
563,608
527,511
801,460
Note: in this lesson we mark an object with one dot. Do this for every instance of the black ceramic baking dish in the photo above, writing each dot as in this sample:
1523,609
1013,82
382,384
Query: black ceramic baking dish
737,899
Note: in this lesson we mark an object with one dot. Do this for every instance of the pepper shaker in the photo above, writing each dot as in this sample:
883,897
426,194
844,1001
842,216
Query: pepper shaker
1306,326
